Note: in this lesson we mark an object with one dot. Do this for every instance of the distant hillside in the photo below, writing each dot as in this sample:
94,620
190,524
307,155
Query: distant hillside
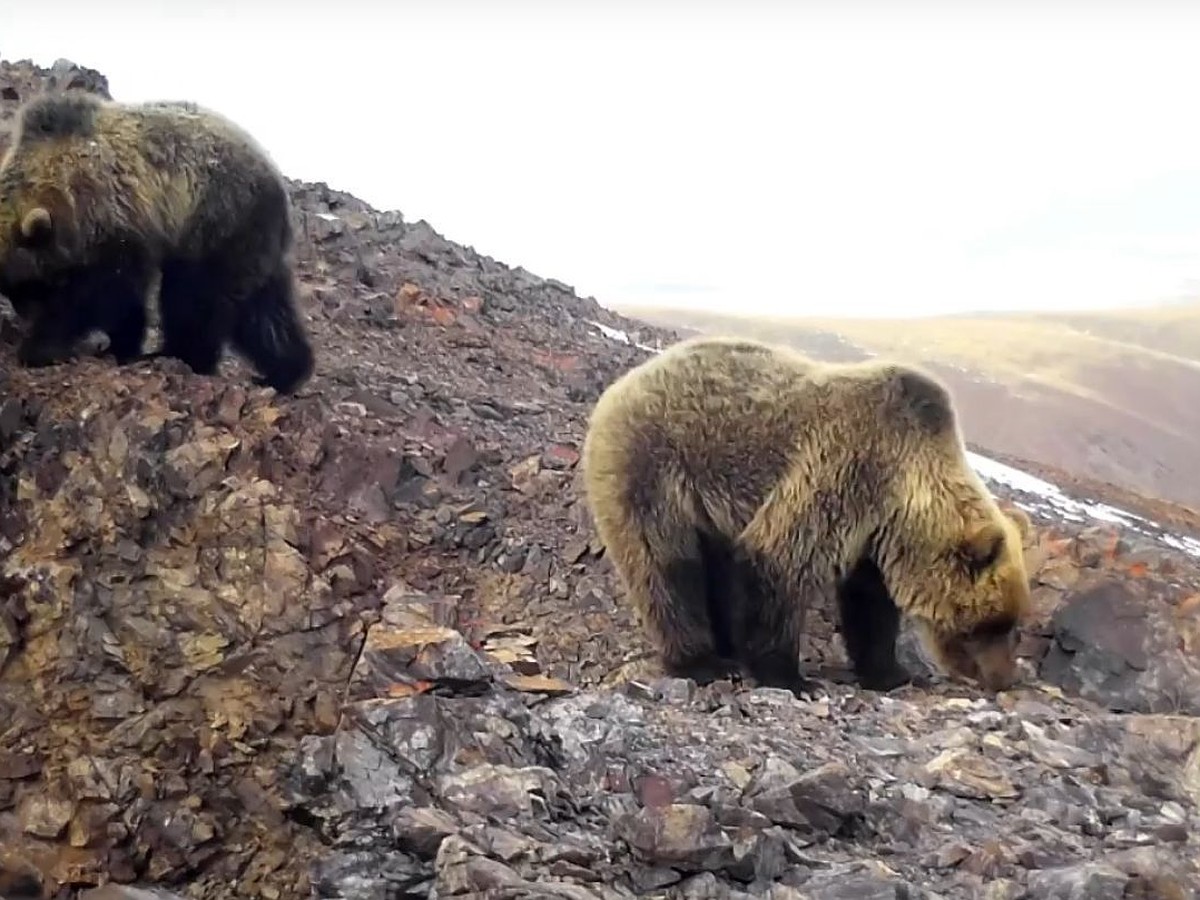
1110,396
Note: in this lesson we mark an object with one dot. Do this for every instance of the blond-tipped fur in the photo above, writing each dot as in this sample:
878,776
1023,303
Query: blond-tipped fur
98,197
736,484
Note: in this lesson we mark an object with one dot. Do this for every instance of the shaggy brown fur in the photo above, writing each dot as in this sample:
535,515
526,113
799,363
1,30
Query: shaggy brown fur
735,484
97,198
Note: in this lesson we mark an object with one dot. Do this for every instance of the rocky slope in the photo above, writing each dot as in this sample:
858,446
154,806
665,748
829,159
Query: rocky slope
361,642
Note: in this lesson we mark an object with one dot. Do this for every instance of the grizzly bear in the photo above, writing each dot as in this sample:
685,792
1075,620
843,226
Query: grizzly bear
736,484
97,199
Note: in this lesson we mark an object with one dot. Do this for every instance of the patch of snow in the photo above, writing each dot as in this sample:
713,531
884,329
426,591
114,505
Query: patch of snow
328,217
1188,545
1049,498
615,334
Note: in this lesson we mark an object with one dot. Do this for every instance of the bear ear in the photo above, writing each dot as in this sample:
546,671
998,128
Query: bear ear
36,226
1021,519
981,547
926,400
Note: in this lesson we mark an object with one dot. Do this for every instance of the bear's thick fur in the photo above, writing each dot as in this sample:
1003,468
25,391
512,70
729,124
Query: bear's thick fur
736,484
97,198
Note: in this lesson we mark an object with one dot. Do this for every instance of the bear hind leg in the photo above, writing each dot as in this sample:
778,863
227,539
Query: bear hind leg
722,593
768,626
703,585
870,624
669,576
691,618
269,333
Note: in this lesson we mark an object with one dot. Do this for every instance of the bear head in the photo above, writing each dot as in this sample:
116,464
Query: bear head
968,599
37,247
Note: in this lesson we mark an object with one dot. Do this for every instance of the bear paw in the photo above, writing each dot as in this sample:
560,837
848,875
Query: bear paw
884,679
703,669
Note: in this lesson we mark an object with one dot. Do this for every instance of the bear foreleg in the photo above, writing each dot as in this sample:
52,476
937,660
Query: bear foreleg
125,319
110,298
47,328
869,624
50,339
196,313
770,622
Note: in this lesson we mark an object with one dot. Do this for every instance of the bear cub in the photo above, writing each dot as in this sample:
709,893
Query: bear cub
98,199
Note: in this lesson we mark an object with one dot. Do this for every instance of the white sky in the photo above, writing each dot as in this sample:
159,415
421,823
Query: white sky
815,158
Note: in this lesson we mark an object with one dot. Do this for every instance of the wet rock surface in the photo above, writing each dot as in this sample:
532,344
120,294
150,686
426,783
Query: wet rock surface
362,642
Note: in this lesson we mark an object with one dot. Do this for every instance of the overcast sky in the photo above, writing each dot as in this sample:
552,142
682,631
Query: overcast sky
812,158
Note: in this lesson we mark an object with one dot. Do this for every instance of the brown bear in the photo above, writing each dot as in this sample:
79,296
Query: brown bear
736,484
98,198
